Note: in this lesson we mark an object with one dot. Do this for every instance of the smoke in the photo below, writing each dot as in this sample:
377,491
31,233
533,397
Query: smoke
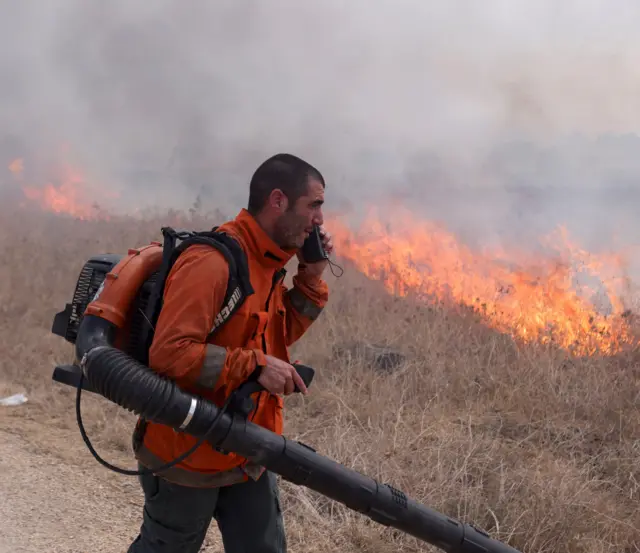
501,116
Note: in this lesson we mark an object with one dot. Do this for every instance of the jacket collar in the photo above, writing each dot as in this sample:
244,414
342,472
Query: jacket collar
257,242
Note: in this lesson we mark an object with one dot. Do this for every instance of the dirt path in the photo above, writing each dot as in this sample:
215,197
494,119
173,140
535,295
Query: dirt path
48,505
55,497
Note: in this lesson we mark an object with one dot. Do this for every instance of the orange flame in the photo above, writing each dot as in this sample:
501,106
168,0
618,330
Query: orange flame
70,197
17,167
534,298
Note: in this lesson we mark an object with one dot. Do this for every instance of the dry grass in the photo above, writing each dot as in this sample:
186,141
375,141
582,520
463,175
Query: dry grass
539,450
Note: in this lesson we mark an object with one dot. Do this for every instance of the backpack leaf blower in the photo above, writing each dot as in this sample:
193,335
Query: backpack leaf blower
108,362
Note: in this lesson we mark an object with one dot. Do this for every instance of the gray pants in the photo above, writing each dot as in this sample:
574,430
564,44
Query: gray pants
176,518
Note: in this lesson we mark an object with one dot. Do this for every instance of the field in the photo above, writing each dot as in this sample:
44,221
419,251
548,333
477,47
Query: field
538,448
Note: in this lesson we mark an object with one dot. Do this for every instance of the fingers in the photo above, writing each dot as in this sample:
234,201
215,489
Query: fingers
327,240
289,385
279,377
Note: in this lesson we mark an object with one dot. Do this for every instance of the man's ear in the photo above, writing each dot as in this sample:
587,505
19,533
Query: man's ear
278,200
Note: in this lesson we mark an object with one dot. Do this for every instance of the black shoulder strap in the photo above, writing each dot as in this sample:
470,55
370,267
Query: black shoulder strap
239,283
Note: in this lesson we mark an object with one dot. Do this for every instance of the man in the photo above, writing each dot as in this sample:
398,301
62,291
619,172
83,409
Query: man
286,195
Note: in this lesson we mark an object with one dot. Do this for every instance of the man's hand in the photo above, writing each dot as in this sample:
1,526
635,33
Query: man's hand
279,377
316,269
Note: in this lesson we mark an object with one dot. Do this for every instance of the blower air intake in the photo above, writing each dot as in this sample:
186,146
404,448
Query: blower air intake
108,366
88,287
91,278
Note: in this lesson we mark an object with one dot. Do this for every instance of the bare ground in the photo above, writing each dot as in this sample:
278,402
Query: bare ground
56,497
540,450
50,504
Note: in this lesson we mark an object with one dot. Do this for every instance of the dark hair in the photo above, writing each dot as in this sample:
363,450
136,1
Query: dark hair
285,172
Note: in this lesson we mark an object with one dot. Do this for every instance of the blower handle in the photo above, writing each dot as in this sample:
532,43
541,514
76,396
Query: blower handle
242,402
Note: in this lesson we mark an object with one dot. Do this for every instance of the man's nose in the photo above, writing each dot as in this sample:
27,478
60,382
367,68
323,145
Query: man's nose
318,218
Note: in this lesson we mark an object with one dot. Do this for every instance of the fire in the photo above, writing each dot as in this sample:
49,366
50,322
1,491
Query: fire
70,195
536,298
17,167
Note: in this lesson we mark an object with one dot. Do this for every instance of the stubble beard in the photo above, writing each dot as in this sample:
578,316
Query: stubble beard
289,231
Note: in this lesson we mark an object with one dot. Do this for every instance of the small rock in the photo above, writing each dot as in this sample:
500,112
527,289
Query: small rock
379,357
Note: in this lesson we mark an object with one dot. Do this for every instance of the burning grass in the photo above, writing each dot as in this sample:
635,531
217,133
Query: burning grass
559,294
537,446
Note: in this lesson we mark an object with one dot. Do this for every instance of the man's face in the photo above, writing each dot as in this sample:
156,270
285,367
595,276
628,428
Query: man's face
294,226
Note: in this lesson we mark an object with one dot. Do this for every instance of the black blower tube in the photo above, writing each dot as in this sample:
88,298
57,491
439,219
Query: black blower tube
133,386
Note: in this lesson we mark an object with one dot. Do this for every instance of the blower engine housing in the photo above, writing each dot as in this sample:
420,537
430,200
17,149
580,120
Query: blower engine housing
132,317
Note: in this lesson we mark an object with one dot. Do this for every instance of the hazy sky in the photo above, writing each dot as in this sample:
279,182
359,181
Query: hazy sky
188,97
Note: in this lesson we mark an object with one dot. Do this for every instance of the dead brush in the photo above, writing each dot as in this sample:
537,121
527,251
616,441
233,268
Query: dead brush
538,448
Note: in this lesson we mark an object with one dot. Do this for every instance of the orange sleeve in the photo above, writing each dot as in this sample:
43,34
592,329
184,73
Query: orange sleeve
304,303
193,296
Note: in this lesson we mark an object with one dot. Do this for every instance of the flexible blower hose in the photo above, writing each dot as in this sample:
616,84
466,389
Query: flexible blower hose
125,381
133,386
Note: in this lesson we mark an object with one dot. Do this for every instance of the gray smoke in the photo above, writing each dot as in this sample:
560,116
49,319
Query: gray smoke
499,118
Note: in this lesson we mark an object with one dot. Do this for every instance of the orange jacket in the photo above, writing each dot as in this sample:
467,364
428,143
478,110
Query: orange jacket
269,321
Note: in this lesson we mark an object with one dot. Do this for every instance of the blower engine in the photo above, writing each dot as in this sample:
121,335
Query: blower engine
111,361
